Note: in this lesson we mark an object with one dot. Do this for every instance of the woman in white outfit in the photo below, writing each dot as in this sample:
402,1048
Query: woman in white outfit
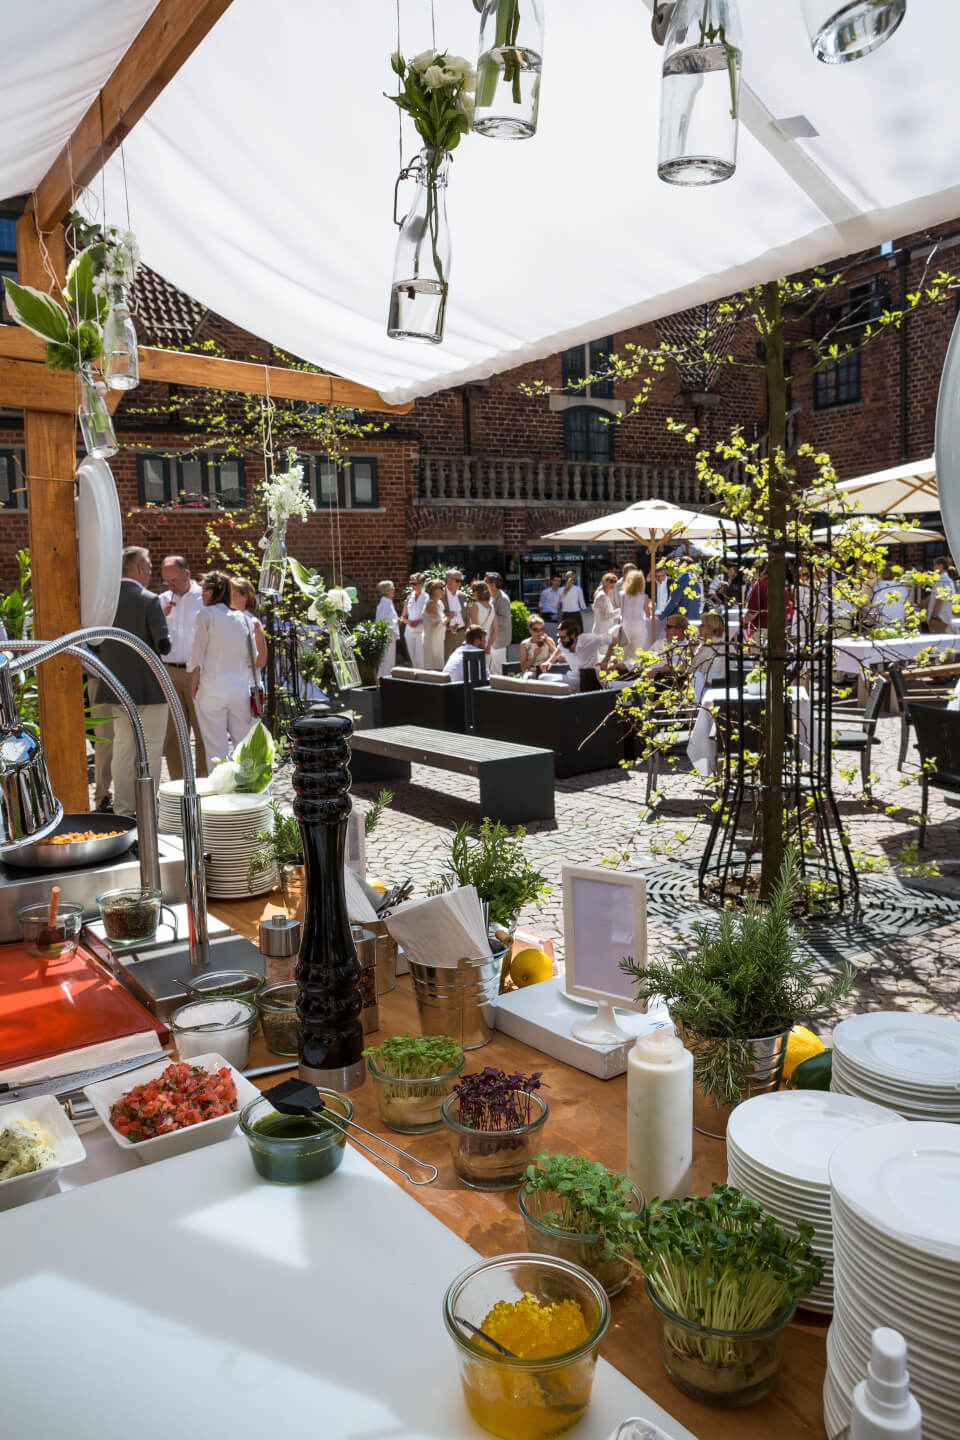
434,626
606,612
221,675
387,611
483,614
572,600
411,617
635,614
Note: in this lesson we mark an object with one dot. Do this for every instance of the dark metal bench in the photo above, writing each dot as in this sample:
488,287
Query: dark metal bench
516,781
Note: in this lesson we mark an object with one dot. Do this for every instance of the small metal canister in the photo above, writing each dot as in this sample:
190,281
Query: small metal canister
365,942
279,946
386,956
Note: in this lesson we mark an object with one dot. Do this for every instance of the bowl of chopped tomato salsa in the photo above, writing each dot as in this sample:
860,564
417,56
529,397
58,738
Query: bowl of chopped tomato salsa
172,1106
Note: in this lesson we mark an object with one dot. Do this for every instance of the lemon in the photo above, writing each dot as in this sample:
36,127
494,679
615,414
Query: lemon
375,884
801,1045
530,967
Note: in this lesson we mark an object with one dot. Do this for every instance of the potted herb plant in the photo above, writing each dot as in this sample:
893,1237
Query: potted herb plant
737,994
494,1122
412,1076
725,1279
370,641
281,846
496,865
578,1210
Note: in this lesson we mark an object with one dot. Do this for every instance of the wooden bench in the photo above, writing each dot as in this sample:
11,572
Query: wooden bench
516,781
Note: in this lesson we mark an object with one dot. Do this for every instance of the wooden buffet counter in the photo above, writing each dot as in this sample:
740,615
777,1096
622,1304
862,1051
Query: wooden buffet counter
588,1117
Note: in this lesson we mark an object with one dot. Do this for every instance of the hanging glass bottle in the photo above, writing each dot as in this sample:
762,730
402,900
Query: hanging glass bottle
273,567
508,70
343,656
96,424
844,31
421,267
121,361
700,93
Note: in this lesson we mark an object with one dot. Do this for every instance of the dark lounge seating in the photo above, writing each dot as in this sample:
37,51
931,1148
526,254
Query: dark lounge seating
538,713
436,704
938,740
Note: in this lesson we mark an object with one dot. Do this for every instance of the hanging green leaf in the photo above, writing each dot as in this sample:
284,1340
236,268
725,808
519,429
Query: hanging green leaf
79,292
309,581
37,311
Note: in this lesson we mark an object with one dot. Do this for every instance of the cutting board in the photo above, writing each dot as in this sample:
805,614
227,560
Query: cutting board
51,1006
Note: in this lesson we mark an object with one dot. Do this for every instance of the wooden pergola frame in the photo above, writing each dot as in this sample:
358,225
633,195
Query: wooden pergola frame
49,401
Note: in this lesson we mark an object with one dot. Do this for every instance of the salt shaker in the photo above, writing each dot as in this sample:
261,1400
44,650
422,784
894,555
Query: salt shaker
279,944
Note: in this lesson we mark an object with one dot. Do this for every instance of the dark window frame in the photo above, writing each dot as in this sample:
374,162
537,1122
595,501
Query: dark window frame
346,482
578,361
596,424
213,494
837,383
14,482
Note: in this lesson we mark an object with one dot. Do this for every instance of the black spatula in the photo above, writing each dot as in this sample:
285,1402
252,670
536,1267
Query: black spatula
299,1097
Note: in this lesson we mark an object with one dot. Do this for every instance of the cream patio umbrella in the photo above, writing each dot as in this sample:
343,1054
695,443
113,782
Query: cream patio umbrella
877,533
905,489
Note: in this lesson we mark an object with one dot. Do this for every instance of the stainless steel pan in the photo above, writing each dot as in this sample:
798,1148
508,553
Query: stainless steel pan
38,856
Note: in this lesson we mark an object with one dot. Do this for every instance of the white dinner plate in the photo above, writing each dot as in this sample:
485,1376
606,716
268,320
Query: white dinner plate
921,1048
793,1133
905,1179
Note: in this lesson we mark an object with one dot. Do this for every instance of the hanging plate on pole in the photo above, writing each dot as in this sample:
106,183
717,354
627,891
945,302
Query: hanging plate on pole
99,542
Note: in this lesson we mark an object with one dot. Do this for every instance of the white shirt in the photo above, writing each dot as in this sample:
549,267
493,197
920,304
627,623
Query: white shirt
663,593
940,604
386,610
220,649
550,600
181,620
606,616
572,601
416,604
587,656
454,666
454,608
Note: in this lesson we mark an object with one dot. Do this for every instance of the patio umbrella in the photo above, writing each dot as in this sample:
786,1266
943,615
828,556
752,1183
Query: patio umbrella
906,489
877,533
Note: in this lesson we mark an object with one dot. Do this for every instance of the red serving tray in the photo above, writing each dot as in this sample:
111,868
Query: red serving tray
50,1006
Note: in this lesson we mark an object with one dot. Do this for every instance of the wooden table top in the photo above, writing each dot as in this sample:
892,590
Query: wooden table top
587,1117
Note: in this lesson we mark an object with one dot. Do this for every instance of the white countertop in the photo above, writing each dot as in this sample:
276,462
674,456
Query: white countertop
191,1299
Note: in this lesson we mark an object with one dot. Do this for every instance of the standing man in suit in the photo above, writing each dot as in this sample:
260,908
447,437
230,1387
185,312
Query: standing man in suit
141,613
453,610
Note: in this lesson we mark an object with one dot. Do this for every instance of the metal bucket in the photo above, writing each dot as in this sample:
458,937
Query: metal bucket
458,1002
767,1053
365,944
386,956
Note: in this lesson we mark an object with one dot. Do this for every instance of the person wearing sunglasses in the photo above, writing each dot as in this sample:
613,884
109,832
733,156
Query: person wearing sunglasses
538,648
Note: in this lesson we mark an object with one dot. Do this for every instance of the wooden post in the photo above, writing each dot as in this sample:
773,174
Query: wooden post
51,461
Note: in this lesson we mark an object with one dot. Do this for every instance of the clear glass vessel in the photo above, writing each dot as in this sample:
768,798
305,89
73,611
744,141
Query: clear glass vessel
700,93
412,1107
343,656
121,361
421,267
578,1249
273,566
96,423
494,1159
508,70
843,30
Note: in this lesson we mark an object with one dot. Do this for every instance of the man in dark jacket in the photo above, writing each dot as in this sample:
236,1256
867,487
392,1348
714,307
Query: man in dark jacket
141,613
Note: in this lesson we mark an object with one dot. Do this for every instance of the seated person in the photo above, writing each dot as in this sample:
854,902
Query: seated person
474,638
538,648
581,652
709,660
679,650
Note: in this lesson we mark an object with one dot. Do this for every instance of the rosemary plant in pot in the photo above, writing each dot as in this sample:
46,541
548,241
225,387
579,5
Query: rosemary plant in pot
725,1279
577,1210
412,1076
494,1124
737,994
496,865
281,846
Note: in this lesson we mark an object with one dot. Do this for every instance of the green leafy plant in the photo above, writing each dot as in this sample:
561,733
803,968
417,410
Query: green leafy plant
496,866
375,814
280,845
519,615
311,664
370,641
748,978
415,1057
721,1261
584,1198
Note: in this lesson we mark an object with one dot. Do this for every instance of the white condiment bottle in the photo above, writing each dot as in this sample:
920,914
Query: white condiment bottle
660,1115
883,1408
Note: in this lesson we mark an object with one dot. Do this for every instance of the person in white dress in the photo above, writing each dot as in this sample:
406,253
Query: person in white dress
606,611
220,672
572,600
503,631
940,602
411,617
635,613
434,626
483,614
386,610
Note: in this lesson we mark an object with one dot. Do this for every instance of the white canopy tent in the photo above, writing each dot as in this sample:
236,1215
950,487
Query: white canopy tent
261,179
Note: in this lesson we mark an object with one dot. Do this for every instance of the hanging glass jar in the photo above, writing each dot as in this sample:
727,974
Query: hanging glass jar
121,361
343,657
273,567
844,31
421,267
96,423
700,93
508,70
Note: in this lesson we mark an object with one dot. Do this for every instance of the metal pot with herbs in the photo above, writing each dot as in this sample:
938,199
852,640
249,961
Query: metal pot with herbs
576,1209
412,1076
494,1124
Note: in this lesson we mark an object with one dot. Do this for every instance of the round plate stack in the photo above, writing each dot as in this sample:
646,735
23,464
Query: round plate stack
778,1149
230,823
896,1199
909,1062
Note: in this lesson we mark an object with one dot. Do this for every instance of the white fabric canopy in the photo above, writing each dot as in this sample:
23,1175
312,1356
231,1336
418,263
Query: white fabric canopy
261,181
909,489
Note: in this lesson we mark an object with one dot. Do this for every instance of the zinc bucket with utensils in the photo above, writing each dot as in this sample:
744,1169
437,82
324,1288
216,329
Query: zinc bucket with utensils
460,1000
386,956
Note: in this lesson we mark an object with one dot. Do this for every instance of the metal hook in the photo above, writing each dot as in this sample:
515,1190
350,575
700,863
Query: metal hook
408,170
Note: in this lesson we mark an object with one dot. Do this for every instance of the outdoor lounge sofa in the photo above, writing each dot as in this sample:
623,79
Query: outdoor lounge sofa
548,713
427,698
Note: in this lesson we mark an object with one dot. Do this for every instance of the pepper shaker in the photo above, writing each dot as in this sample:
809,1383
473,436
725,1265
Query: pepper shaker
279,943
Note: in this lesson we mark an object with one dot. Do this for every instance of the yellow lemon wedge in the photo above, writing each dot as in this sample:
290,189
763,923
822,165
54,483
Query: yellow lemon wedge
375,884
802,1044
530,967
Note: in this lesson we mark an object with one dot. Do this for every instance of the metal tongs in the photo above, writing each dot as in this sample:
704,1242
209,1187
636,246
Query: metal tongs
297,1097
394,896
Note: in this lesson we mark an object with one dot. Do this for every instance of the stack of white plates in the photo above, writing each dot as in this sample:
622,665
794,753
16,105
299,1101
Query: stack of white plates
778,1149
230,824
896,1225
169,795
909,1062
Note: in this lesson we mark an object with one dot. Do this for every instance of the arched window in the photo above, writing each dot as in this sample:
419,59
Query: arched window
587,434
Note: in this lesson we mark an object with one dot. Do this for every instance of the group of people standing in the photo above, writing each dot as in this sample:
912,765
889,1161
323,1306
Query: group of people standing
213,647
435,619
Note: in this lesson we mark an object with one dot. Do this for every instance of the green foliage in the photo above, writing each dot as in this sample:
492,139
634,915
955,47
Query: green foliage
280,845
721,1261
436,94
37,311
370,641
375,814
253,759
585,1198
416,1057
746,979
519,615
84,301
83,345
496,865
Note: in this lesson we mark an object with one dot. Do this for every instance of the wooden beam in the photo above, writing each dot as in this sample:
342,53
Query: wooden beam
27,386
207,372
51,461
167,40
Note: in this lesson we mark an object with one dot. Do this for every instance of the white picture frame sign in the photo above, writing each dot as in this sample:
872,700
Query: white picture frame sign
604,921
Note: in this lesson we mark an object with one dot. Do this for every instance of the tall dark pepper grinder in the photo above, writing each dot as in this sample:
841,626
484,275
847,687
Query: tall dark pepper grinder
328,971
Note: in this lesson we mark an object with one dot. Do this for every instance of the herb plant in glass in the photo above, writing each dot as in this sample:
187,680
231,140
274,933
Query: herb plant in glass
725,1279
412,1076
578,1210
494,1123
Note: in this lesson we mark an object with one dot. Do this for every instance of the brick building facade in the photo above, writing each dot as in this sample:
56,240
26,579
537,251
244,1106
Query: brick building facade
478,474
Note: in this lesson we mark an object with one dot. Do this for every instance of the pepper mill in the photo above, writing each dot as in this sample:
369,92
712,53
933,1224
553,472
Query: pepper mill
328,972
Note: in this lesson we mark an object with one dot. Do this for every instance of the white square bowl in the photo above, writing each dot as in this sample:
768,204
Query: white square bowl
45,1111
104,1093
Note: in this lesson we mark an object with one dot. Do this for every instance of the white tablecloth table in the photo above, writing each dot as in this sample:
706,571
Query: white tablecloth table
702,749
851,655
